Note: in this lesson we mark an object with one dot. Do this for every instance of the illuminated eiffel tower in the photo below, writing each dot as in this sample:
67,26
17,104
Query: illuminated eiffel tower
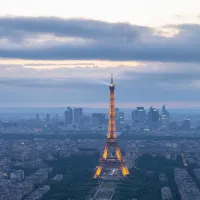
108,160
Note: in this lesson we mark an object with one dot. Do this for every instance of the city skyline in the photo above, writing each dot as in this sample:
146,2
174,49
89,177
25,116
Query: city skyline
60,54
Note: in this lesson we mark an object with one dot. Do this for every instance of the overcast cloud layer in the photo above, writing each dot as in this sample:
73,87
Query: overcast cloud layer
168,71
153,82
82,39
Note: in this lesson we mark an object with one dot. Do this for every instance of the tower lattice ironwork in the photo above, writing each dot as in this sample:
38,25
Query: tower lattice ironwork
111,159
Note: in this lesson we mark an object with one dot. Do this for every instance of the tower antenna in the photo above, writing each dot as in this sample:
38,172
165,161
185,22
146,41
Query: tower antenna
111,81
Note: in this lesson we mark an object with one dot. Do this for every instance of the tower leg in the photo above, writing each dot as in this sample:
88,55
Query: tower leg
98,172
104,157
124,170
118,153
105,152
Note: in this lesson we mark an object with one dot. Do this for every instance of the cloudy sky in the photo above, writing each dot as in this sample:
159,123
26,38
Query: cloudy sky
61,52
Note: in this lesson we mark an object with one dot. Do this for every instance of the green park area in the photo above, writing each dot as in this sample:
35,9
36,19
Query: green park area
143,182
77,183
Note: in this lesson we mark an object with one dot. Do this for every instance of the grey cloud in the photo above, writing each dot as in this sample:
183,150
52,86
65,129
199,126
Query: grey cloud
103,41
49,83
32,83
51,90
58,65
164,76
81,28
181,53
131,86
159,86
64,72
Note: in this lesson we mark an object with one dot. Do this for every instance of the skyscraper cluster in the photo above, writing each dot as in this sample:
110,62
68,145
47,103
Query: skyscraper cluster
141,119
151,120
73,116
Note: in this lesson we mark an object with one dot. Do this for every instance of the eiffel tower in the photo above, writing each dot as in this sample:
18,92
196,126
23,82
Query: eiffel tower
111,157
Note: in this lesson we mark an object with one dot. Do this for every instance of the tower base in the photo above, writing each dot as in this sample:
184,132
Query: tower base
111,165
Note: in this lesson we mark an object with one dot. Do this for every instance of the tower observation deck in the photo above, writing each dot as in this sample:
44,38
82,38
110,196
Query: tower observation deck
108,160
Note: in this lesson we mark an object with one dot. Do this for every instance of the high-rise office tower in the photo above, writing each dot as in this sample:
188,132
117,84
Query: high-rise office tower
119,117
134,115
47,120
37,120
37,117
139,117
78,113
186,124
68,116
153,118
164,120
98,119
164,111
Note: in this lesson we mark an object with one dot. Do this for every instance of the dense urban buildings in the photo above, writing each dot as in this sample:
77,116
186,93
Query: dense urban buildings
29,145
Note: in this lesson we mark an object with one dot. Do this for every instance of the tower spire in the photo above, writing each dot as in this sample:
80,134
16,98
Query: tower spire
111,80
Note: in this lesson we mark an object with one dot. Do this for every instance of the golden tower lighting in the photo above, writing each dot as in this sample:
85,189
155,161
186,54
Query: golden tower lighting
107,160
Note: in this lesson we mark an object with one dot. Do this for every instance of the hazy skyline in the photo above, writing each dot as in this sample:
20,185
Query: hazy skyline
60,53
